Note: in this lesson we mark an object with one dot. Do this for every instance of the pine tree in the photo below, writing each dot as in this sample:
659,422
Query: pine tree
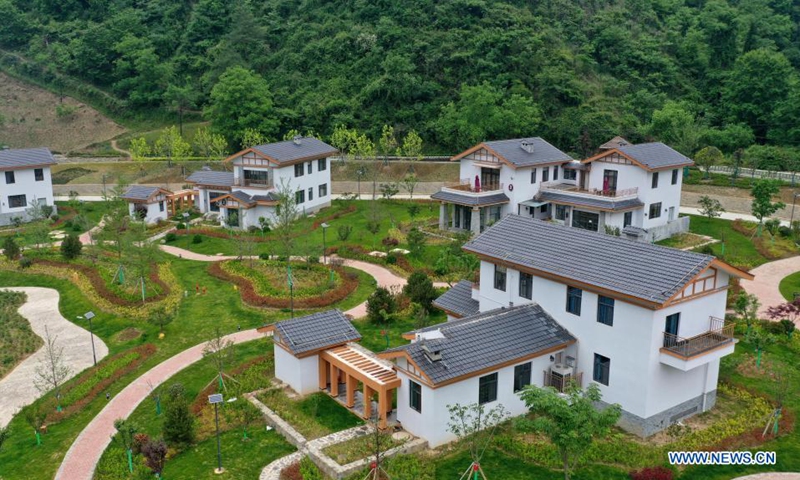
178,422
71,247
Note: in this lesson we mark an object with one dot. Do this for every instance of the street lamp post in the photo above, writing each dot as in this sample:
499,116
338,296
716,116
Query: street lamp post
215,400
324,252
186,221
89,316
794,200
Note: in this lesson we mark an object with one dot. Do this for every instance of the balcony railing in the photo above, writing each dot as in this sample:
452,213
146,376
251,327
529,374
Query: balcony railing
243,182
718,334
562,383
556,186
466,185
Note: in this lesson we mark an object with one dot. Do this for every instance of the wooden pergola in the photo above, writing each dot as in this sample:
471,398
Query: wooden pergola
350,365
178,201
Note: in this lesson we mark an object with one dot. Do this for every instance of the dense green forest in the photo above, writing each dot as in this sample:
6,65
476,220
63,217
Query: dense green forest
689,72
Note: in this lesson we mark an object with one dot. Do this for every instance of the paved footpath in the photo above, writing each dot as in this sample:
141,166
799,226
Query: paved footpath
768,277
41,309
771,476
82,457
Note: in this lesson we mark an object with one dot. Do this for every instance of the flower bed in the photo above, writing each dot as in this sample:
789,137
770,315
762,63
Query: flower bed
256,292
218,233
93,382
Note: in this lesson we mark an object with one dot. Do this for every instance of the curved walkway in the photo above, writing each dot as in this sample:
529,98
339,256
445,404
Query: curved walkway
767,279
41,309
82,457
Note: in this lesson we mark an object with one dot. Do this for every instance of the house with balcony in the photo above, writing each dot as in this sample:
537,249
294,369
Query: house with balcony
248,193
26,181
557,305
631,189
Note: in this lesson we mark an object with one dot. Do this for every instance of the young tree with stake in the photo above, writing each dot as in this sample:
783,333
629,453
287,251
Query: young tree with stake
221,353
475,426
52,371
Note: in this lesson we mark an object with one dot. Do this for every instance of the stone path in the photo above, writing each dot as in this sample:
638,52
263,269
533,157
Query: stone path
82,457
771,476
41,309
768,277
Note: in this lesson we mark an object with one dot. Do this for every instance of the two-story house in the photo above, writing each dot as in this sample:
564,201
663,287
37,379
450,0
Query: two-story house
559,304
249,192
634,189
26,179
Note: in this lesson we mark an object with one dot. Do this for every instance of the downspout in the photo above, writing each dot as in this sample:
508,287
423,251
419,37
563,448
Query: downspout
705,384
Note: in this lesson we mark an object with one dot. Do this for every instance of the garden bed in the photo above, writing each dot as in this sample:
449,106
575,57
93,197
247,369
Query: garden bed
17,340
264,284
360,447
313,416
683,241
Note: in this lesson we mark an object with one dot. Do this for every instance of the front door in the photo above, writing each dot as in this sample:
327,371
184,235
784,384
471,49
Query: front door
671,329
671,214
609,181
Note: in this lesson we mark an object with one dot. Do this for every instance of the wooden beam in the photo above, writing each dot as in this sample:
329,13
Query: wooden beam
350,387
334,380
323,373
367,402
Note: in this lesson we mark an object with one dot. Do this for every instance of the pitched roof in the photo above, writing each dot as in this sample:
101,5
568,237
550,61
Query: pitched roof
142,192
470,200
211,177
486,340
247,199
25,157
458,300
315,332
645,271
596,202
305,148
652,156
511,151
614,143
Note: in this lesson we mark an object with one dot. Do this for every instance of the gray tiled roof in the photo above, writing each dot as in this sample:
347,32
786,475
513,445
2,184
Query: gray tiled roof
594,202
471,200
543,152
24,157
210,177
642,270
288,150
656,155
458,300
247,199
242,197
614,143
635,231
316,331
486,340
139,192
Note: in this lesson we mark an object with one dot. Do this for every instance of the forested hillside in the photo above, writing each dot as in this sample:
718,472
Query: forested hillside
689,72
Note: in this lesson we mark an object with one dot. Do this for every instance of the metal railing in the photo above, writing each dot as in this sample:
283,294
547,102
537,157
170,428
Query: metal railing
570,188
561,383
466,185
242,182
718,334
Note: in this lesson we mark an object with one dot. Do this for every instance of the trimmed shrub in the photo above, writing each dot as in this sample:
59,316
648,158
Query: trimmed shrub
171,237
181,226
419,289
652,473
391,259
344,231
197,239
10,248
390,242
381,300
178,420
25,262
263,256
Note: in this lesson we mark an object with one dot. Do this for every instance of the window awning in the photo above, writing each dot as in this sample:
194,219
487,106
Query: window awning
533,203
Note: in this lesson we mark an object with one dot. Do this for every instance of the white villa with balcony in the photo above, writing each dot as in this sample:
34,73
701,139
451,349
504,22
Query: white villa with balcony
248,193
633,188
26,181
557,305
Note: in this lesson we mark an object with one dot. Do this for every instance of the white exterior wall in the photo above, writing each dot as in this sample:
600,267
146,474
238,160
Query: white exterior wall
668,194
154,213
313,180
302,374
25,184
202,198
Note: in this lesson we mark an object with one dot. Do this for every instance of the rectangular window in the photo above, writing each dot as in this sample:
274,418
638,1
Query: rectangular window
525,285
655,210
602,368
555,173
675,176
322,164
570,174
574,296
533,175
310,167
655,180
38,174
299,197
561,212
17,201
627,219
500,278
310,193
415,395
298,170
605,310
609,180
258,178
545,174
487,389
522,376
323,190
161,206
10,176
671,327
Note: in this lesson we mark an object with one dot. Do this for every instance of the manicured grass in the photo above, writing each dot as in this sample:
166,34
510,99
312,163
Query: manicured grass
313,416
790,285
739,248
17,340
374,335
358,448
683,240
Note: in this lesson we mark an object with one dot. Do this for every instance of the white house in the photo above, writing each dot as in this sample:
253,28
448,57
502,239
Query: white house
633,188
248,193
147,203
647,322
26,179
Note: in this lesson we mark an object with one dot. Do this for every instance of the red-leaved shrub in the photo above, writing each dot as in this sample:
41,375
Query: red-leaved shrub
652,473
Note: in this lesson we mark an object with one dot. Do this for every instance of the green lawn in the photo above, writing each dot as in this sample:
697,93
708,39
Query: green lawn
790,285
373,336
739,249
314,416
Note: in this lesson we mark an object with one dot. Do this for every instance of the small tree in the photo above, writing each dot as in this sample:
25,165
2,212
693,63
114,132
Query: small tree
763,207
172,145
760,341
71,247
389,190
710,207
160,317
125,437
381,300
10,248
343,232
707,158
221,354
413,211
746,307
139,149
416,241
178,422
409,183
286,216
155,455
52,371
387,143
572,422
35,418
475,426
787,313
419,289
